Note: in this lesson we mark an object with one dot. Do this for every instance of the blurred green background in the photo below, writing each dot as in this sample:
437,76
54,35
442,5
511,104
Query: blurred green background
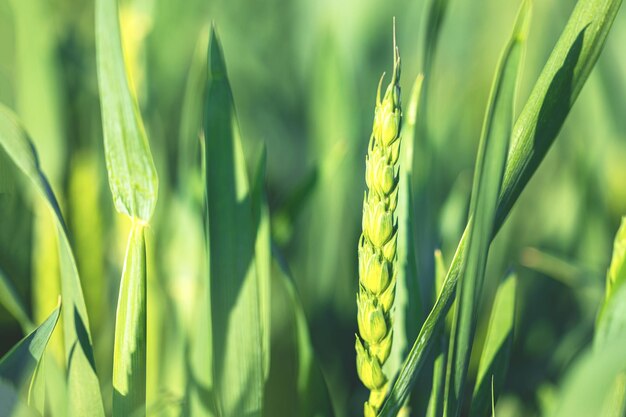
304,76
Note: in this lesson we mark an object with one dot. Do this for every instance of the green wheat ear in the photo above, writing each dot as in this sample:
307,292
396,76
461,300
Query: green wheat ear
377,245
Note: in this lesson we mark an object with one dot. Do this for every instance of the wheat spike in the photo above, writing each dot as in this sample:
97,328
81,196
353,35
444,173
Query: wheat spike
377,245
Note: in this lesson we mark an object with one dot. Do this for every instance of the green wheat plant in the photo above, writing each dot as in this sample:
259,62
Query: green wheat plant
181,197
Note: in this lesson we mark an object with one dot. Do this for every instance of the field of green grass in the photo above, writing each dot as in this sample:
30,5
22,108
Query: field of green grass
204,204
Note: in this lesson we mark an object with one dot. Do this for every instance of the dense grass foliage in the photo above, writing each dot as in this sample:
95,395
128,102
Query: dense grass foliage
181,201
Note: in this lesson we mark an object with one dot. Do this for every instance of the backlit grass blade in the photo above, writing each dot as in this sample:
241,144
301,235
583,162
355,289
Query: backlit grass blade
18,365
238,363
132,175
488,173
129,355
134,187
612,315
84,396
542,117
494,359
13,303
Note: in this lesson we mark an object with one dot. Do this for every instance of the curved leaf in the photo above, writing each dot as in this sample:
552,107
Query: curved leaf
542,117
497,348
83,386
18,365
487,181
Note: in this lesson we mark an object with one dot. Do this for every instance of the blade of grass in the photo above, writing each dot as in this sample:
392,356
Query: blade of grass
129,354
435,400
132,175
611,318
497,348
199,398
487,181
238,362
18,365
84,396
134,187
542,117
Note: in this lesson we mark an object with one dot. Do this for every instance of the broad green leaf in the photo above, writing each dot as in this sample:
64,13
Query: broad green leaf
612,315
129,354
84,396
488,173
132,175
18,365
540,121
263,258
238,361
497,348
10,299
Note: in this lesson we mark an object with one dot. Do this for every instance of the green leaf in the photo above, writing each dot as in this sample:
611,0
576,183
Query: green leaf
488,174
612,315
435,400
132,175
542,117
10,299
83,387
238,362
134,186
263,257
497,348
18,365
129,353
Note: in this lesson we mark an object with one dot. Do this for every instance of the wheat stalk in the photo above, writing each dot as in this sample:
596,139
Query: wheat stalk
378,243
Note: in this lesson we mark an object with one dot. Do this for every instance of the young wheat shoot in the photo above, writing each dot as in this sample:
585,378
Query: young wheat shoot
377,244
